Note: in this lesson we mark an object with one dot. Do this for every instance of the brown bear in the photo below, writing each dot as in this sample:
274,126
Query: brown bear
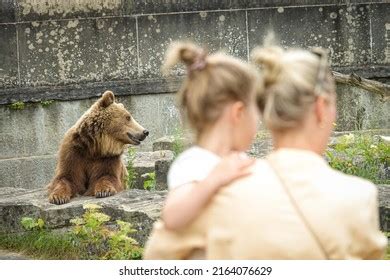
89,159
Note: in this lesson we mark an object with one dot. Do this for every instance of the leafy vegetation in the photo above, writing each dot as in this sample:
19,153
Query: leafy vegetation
361,155
90,238
17,105
131,173
99,241
178,142
150,182
46,103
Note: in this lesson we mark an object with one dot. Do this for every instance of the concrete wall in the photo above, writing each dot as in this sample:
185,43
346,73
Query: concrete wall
71,51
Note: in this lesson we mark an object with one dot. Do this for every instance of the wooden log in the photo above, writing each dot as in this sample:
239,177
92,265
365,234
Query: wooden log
370,85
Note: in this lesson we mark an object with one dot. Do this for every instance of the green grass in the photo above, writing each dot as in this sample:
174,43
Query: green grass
41,245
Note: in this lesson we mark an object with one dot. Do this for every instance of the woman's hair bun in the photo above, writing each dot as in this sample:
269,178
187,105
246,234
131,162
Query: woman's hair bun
270,60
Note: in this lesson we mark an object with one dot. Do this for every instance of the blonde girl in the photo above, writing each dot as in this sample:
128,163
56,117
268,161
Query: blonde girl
217,100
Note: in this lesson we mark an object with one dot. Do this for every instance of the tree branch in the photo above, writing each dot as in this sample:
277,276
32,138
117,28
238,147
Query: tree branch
372,86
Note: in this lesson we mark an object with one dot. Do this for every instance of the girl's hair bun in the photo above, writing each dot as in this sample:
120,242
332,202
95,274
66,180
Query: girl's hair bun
186,53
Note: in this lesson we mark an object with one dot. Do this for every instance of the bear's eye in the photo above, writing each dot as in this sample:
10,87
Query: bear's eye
128,118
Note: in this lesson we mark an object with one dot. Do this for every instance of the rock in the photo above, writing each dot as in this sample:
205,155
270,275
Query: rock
172,143
141,208
384,207
164,143
148,162
162,168
7,255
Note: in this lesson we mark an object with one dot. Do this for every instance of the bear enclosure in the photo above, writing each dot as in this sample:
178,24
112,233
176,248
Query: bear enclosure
57,57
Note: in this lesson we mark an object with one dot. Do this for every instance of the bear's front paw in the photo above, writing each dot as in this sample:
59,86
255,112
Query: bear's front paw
59,198
104,191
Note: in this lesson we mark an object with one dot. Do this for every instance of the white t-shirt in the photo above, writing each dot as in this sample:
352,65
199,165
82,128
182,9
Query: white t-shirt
193,165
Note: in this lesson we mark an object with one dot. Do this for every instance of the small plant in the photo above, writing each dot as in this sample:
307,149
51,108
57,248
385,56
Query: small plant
150,182
131,173
32,224
99,241
362,156
46,103
178,142
17,105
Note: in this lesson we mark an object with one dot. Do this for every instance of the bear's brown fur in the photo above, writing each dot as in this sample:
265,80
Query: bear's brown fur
89,159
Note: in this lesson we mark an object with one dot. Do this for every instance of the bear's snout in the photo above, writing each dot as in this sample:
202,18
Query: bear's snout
136,139
146,133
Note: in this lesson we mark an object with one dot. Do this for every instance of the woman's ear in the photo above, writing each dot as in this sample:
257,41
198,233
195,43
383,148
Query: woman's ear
237,110
320,107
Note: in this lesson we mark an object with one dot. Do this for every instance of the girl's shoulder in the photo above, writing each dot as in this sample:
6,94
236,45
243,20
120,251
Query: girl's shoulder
192,165
195,154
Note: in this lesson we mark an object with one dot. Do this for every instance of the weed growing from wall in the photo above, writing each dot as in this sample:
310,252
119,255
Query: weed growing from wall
17,105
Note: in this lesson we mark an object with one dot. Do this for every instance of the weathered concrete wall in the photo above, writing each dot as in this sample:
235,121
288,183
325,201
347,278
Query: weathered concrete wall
29,138
52,49
72,51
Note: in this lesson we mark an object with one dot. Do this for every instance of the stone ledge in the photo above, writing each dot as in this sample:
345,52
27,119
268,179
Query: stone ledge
87,90
141,208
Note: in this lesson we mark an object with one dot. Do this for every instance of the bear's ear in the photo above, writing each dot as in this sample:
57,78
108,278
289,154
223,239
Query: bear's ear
107,99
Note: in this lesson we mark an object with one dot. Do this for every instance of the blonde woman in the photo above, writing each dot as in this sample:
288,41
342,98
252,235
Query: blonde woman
293,205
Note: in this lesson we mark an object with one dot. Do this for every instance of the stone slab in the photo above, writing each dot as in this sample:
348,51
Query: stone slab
174,6
8,56
141,208
161,167
384,207
7,11
214,30
77,51
30,10
30,172
341,29
37,130
169,142
7,255
148,162
380,20
358,109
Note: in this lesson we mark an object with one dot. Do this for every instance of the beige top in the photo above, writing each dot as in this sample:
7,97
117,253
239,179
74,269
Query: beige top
255,218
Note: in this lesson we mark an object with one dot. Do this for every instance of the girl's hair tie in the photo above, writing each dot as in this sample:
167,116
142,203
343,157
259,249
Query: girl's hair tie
199,63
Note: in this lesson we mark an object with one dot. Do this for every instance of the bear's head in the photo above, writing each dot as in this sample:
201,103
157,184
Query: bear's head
109,127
